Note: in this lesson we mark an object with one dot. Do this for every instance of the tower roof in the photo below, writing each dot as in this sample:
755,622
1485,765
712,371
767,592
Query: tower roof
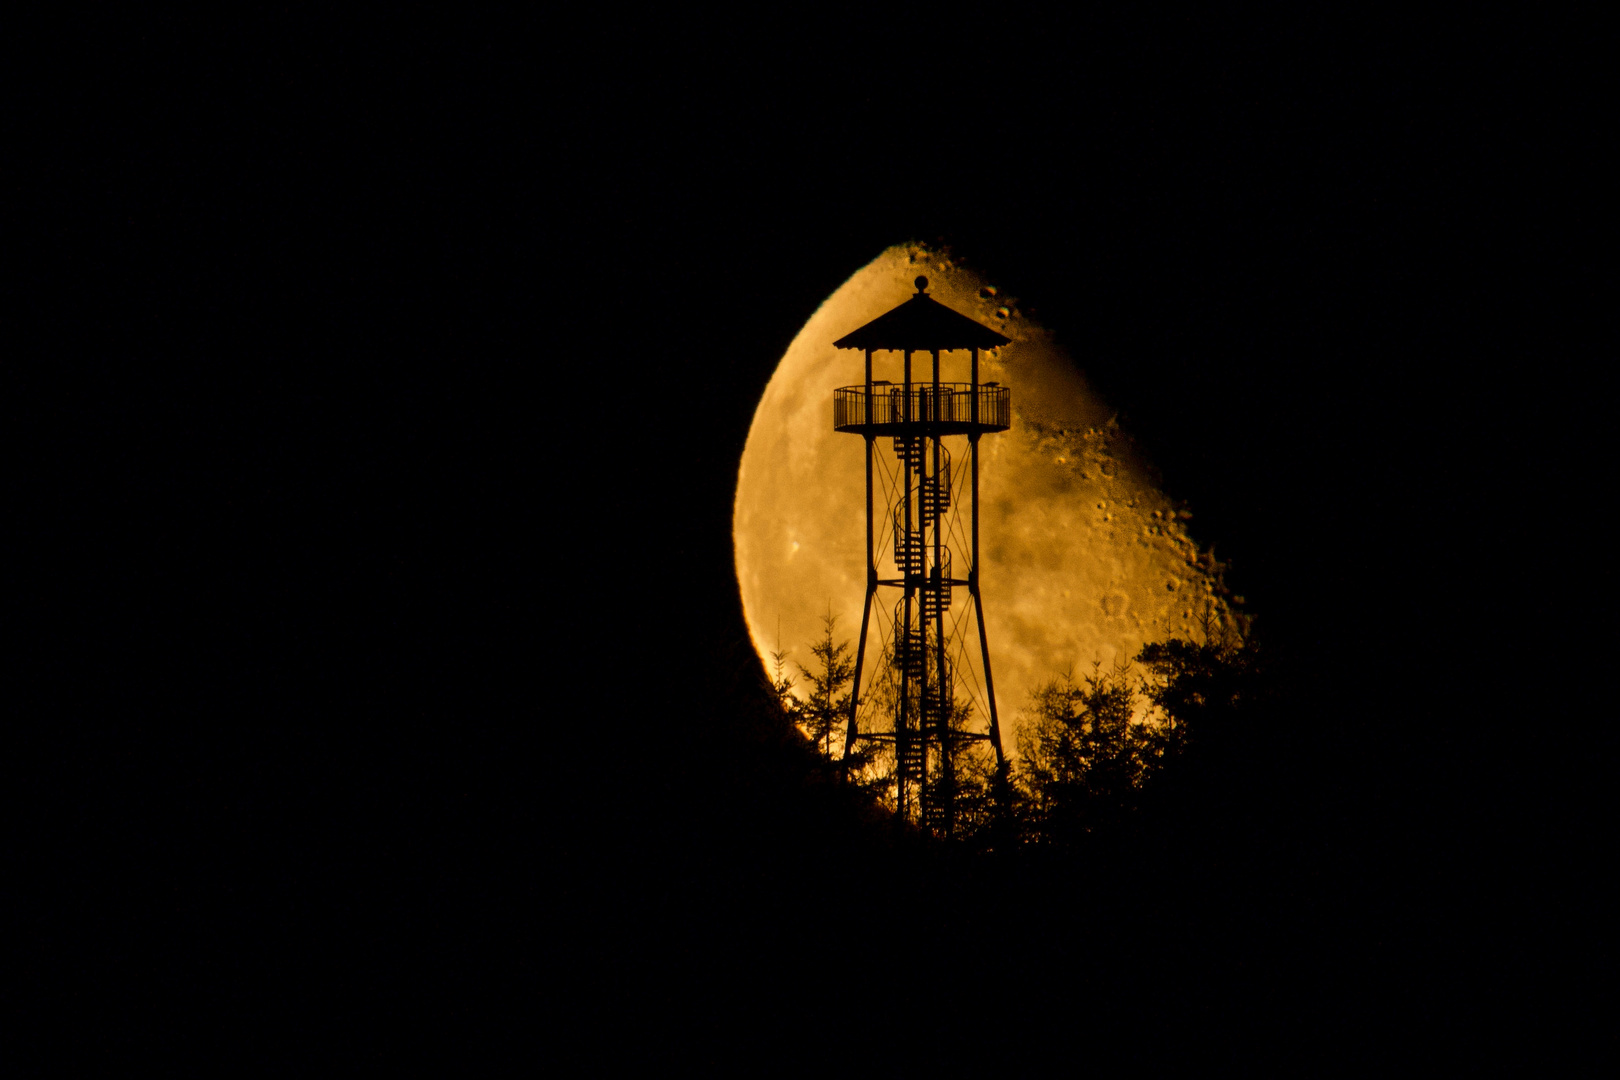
922,324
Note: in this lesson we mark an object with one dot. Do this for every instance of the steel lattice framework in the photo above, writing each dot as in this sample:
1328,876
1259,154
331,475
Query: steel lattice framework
916,417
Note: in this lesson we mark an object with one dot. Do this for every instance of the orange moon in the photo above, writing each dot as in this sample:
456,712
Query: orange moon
1084,557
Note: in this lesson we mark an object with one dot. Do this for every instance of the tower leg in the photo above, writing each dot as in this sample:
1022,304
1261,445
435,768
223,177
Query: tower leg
860,657
978,601
989,683
871,584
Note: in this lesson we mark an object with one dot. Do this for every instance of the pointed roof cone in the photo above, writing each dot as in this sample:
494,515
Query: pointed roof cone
922,324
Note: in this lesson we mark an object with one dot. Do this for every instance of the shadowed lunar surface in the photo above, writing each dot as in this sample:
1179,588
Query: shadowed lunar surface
1085,559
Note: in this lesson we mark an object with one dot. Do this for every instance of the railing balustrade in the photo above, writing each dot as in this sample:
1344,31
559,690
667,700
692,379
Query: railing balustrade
890,404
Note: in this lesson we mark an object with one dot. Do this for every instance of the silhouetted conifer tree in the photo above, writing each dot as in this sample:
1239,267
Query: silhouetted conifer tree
827,707
1196,688
1083,757
782,685
1091,752
975,777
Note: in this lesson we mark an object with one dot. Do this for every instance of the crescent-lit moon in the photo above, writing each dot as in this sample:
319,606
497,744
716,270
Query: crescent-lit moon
1085,559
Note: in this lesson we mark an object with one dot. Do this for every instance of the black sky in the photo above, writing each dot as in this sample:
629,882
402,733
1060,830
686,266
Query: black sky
392,381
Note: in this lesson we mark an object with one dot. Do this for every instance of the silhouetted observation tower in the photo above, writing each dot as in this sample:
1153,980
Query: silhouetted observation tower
915,686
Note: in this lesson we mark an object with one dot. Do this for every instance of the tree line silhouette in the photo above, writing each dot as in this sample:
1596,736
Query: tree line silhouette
1094,752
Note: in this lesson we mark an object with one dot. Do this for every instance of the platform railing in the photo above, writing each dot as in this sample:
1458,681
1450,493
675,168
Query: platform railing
891,404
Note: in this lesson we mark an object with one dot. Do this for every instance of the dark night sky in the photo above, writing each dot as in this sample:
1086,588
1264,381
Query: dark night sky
410,367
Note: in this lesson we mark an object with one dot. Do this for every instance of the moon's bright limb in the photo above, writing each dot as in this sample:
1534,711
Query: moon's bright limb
1084,558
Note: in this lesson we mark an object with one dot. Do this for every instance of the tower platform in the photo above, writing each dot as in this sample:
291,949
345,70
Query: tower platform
949,412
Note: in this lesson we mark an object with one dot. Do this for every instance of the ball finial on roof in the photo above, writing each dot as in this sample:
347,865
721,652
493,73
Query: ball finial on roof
921,283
